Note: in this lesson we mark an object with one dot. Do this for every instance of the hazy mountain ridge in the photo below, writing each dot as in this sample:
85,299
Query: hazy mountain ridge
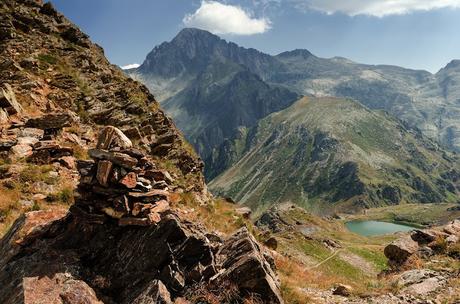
422,99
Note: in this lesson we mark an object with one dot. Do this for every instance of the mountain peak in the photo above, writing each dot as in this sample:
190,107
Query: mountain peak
193,33
296,53
453,64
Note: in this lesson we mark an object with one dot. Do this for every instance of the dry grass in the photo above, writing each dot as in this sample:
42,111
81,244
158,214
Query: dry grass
223,293
10,208
21,186
217,215
294,276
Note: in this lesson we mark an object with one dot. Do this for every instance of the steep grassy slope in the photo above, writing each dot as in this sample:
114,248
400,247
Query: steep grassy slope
332,154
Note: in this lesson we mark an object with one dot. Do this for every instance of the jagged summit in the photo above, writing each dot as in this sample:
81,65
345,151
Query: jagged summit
193,49
195,33
296,53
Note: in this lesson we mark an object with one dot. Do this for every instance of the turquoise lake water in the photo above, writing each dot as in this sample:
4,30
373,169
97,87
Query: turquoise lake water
371,228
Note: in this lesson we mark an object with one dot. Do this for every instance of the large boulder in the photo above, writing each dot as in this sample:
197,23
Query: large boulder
401,249
110,137
426,236
243,262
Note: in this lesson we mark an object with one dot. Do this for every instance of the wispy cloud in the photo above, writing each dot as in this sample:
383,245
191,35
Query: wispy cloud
130,66
220,18
377,8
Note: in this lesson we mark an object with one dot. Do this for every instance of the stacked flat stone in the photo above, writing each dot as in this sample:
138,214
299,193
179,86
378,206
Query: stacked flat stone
122,182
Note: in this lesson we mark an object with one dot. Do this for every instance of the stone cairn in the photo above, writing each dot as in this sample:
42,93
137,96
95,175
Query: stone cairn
121,182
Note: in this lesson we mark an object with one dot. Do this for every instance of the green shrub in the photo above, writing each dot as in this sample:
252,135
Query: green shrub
47,58
66,195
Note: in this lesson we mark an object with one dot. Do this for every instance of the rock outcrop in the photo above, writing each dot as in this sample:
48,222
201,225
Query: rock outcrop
123,242
401,249
423,243
52,76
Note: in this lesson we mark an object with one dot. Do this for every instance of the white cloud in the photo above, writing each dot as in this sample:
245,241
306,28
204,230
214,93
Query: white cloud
219,18
130,66
378,8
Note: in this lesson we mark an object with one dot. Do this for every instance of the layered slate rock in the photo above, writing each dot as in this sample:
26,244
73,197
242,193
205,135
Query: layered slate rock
124,244
8,100
52,77
244,262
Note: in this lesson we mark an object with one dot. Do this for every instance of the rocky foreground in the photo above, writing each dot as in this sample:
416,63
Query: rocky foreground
124,239
123,242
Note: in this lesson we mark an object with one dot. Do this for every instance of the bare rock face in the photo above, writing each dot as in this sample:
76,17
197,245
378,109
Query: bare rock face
420,281
156,293
124,245
243,262
58,288
8,100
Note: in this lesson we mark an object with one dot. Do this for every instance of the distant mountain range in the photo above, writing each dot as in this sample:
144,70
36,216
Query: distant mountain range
222,95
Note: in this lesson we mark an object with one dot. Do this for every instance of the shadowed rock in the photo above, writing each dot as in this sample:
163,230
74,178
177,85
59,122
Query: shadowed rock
124,245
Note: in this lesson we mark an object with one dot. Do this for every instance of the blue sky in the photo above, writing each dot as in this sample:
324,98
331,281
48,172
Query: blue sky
420,34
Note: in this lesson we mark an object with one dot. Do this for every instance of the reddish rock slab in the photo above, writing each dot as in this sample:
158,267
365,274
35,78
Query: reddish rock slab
156,192
67,161
120,159
159,175
104,168
154,218
129,180
160,206
57,289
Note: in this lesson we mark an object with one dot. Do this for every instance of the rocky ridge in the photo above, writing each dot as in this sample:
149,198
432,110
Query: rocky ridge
57,90
122,242
48,65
